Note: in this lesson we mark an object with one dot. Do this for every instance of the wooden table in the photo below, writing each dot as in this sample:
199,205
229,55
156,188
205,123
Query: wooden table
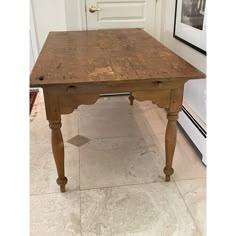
74,68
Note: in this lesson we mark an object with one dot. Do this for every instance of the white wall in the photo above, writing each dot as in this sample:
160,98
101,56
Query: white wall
48,16
33,40
75,14
195,90
56,15
32,58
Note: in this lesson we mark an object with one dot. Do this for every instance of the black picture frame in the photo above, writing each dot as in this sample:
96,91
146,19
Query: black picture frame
191,44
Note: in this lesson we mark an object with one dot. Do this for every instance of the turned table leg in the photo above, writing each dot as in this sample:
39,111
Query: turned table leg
175,106
58,153
131,99
170,142
53,112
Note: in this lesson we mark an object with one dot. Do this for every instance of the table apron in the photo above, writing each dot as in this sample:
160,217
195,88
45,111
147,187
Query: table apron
104,88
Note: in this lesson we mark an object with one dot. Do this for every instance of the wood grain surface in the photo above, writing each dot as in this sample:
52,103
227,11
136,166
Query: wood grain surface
78,57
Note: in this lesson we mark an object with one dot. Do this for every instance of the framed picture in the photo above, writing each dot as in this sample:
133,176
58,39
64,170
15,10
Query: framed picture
190,23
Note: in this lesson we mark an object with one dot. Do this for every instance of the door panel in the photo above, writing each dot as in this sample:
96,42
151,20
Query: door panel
114,14
121,11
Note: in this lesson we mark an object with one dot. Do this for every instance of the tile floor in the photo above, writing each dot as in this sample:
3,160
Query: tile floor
114,157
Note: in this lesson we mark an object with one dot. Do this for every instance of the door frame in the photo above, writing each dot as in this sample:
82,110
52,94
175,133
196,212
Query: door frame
33,36
83,17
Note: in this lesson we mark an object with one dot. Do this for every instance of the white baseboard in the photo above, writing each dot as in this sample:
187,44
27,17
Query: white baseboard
193,132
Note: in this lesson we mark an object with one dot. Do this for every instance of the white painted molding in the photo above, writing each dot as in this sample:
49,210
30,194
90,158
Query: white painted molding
82,11
158,20
75,15
33,38
194,134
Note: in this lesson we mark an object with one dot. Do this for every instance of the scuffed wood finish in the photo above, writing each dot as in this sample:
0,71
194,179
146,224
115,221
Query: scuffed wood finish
74,68
120,55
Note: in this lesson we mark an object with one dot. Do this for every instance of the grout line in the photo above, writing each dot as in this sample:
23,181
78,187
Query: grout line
177,180
188,209
104,187
80,202
124,185
117,186
41,194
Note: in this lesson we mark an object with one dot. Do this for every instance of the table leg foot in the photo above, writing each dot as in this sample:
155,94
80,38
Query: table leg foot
62,183
131,99
167,178
168,173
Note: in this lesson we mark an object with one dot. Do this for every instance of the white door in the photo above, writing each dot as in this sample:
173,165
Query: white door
112,14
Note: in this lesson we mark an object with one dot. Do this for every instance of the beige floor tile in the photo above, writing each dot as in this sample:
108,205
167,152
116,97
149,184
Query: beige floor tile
55,214
106,102
194,194
117,119
128,149
147,106
43,172
155,118
38,150
70,125
139,210
187,162
119,161
41,133
154,121
111,99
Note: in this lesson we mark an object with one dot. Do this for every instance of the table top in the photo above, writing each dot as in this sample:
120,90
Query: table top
78,57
